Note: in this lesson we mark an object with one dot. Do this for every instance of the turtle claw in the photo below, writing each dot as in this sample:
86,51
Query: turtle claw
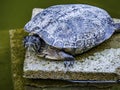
69,63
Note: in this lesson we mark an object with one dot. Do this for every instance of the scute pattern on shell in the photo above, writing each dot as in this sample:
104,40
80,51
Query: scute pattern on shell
72,26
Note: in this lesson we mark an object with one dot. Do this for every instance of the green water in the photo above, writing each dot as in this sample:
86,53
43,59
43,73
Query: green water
5,71
15,13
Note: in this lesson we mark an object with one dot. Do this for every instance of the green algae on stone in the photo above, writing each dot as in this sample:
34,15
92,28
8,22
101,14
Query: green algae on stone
17,57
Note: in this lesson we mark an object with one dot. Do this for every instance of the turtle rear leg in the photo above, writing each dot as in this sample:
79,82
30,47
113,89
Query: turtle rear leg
68,59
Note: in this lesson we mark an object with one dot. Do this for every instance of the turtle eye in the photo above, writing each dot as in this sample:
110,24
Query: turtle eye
34,40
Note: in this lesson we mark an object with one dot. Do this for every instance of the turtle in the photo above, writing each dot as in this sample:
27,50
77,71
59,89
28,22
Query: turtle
61,32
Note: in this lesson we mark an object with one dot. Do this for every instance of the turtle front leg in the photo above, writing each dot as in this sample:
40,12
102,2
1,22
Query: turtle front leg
53,54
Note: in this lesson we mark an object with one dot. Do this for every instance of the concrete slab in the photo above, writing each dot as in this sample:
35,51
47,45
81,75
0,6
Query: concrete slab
103,59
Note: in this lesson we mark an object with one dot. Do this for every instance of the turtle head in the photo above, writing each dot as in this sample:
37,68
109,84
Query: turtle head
32,43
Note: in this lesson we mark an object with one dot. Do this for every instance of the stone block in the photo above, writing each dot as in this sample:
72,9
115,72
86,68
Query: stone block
100,63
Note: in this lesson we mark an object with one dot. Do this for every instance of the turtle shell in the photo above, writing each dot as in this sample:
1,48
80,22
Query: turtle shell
72,26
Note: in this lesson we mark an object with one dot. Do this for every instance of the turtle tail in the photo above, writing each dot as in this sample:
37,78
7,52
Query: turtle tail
117,27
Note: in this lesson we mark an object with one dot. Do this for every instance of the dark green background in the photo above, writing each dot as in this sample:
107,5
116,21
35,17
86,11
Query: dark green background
15,13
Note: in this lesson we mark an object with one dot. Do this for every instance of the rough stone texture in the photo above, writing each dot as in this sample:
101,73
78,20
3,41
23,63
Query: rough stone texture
105,61
17,57
100,61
